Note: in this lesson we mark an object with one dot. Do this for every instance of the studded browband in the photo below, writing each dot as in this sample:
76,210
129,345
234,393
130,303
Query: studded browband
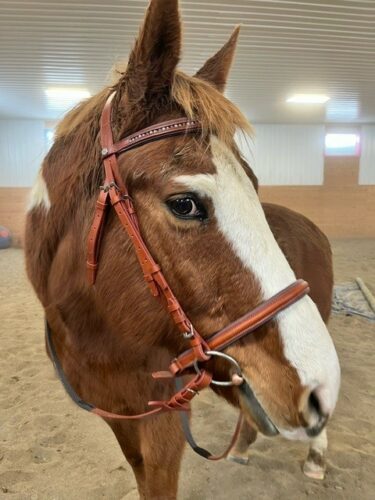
114,193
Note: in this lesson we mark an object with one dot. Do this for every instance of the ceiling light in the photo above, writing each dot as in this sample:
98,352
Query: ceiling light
308,99
67,94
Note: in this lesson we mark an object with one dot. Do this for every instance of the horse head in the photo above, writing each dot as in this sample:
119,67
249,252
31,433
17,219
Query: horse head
199,213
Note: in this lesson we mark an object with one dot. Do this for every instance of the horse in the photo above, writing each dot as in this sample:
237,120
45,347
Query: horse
197,237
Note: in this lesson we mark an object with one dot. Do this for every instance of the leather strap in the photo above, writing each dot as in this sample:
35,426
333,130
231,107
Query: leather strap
152,273
198,449
163,129
114,182
246,324
178,402
115,191
95,235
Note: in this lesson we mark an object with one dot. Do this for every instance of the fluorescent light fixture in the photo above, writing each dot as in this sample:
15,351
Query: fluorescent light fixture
67,94
308,99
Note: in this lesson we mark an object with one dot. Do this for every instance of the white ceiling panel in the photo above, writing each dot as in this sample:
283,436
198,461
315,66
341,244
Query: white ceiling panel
285,47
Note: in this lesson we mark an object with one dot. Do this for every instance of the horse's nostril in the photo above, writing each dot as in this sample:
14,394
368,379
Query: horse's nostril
314,415
313,409
314,403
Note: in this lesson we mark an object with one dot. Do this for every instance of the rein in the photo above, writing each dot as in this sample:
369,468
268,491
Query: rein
114,193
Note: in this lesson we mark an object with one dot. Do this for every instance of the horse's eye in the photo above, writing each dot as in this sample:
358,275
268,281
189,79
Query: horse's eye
187,207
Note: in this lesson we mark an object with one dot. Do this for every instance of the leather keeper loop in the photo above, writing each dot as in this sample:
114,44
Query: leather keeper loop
169,406
181,400
173,306
100,206
161,375
92,265
161,281
199,353
175,367
178,316
153,288
116,198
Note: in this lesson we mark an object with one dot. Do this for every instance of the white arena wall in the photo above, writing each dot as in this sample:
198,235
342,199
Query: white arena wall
22,147
367,162
286,155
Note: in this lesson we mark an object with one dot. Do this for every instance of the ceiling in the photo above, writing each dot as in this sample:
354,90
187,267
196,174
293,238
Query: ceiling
285,47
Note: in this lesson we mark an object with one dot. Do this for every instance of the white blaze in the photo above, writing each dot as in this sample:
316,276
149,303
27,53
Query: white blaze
39,194
240,217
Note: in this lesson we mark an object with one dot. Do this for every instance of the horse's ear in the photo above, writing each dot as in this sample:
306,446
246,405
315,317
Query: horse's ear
216,69
156,52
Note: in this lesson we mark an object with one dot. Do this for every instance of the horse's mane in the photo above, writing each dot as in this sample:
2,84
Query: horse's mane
197,98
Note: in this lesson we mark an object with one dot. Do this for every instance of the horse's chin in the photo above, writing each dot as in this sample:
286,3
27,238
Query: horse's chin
255,411
256,414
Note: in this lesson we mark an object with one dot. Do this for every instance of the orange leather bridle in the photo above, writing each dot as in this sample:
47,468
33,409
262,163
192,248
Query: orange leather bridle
114,193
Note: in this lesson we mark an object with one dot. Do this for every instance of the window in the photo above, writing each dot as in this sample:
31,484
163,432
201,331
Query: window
342,144
49,136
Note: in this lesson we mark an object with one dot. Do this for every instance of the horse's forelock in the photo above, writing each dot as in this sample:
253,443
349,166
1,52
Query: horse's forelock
196,98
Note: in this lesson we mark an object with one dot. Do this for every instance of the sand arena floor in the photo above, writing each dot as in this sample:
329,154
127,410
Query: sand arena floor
49,449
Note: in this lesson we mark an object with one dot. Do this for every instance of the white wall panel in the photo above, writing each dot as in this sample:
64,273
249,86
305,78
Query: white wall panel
21,151
367,161
286,154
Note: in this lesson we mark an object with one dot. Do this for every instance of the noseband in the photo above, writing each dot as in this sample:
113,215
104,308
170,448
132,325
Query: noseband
114,193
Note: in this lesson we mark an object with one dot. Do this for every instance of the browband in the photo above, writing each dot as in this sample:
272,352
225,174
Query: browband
164,129
169,128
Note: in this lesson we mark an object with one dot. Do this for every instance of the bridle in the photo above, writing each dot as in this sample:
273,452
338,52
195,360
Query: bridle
114,193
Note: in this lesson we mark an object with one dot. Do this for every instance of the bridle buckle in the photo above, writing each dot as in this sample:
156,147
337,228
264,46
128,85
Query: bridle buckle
109,186
190,334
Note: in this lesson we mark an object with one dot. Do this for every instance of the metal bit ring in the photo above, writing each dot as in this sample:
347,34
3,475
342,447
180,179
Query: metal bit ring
222,383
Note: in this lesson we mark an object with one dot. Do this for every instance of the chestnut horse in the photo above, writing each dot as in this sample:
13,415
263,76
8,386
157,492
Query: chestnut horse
198,212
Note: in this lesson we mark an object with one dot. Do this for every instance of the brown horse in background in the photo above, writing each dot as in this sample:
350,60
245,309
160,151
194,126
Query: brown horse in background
199,213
